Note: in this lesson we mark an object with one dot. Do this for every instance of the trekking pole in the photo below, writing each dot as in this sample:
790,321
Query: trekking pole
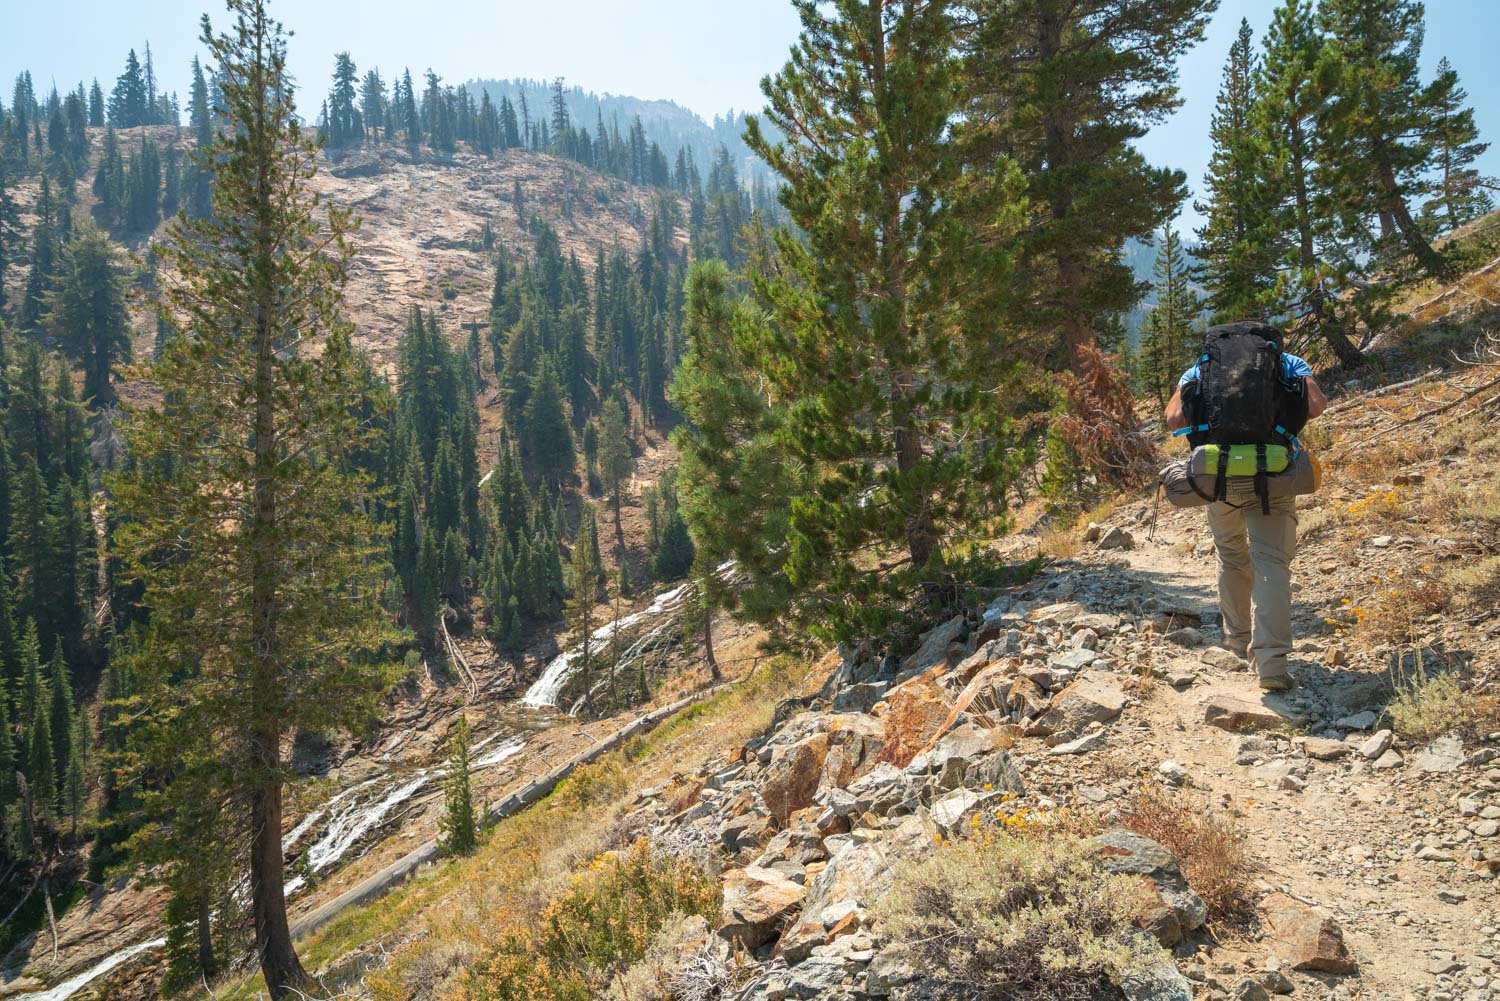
1155,510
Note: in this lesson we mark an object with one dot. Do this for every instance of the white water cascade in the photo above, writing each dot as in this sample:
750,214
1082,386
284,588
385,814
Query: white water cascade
549,686
79,981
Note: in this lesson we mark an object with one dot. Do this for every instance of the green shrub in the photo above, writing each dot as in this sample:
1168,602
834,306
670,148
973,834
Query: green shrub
1021,917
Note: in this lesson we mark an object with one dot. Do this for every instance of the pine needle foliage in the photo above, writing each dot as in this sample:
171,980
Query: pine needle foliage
241,513
885,326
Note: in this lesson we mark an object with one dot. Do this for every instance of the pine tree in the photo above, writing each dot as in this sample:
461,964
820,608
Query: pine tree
454,563
74,791
257,631
128,104
675,557
1373,124
33,693
41,768
548,434
96,104
1287,102
1065,90
86,311
427,588
707,595
372,103
9,791
200,119
736,478
1237,245
1166,337
345,123
585,578
459,827
878,346
1458,195
615,461
60,710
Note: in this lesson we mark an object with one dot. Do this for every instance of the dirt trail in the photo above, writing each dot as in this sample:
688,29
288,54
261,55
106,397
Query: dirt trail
1341,834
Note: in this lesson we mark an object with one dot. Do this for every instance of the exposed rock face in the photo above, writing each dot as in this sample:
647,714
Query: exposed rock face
794,776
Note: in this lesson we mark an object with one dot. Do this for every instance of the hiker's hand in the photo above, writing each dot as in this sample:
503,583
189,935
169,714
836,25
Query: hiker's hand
1316,401
1174,417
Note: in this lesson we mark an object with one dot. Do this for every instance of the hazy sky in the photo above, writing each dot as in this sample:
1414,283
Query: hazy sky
706,54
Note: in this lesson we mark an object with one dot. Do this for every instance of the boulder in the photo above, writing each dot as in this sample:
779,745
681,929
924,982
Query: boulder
814,978
744,831
794,775
1094,741
1162,982
1241,715
1223,660
880,790
1175,910
1377,745
1440,756
1059,614
1025,698
1093,698
757,902
860,698
1305,937
1186,636
949,812
1117,538
1324,749
1073,660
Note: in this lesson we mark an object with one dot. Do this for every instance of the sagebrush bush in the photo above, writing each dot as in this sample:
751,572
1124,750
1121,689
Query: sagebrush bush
1428,703
1021,917
594,931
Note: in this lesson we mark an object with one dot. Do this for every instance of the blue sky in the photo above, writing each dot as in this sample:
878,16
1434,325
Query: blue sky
706,54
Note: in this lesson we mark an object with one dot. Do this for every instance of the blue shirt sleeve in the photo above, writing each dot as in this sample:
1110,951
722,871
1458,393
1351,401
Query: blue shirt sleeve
1293,366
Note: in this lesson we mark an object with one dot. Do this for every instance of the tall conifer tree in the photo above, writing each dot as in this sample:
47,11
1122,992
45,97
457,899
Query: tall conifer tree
261,619
1237,243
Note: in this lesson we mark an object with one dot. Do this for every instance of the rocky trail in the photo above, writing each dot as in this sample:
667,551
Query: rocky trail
1372,857
1397,844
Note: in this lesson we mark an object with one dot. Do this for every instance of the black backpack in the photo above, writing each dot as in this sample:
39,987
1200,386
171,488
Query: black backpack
1243,397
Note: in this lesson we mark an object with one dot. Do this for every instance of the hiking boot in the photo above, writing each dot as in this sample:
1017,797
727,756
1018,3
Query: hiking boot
1276,682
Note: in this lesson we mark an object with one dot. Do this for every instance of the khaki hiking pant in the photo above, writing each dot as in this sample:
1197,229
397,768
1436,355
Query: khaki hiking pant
1255,567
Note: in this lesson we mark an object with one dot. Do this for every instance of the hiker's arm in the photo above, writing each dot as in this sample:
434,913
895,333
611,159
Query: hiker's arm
1316,401
1175,419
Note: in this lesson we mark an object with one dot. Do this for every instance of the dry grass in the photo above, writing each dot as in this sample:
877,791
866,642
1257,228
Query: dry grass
441,923
1208,844
1476,585
1060,543
1396,613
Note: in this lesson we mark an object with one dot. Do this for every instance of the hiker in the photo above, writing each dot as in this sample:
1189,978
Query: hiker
1230,398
